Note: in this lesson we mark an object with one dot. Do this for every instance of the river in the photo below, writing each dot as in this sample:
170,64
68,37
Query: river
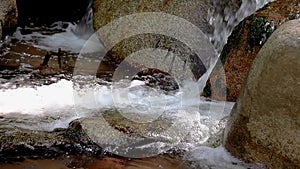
48,103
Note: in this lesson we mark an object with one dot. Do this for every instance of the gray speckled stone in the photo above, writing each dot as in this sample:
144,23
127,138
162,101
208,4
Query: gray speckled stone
265,123
193,11
8,15
177,23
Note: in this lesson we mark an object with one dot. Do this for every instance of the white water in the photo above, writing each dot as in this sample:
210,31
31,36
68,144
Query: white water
217,158
65,35
66,96
53,106
67,39
225,20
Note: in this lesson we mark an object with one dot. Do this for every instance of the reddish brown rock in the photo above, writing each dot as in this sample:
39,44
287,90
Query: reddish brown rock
244,44
143,163
22,53
81,162
36,164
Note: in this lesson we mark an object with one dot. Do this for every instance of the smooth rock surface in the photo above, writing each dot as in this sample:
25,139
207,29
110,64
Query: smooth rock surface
127,36
193,11
8,16
265,123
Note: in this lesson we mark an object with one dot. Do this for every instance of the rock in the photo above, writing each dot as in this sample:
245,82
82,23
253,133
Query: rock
83,162
134,135
193,11
35,164
16,54
139,163
8,17
17,143
265,123
20,143
72,148
245,42
157,79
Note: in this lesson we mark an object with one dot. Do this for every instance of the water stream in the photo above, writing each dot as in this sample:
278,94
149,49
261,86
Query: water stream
53,106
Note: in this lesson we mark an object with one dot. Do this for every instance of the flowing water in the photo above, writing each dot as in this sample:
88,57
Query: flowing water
224,18
198,121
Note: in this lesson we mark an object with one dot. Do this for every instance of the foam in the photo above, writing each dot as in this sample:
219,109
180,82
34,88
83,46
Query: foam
217,158
69,39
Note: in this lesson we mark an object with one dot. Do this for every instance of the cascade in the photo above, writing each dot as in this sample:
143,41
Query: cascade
226,15
84,28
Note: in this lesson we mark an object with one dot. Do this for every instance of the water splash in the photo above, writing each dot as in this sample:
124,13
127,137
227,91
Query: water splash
58,104
217,158
226,15
84,28
65,35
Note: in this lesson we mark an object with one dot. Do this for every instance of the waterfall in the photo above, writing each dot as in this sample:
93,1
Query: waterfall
84,28
68,36
225,16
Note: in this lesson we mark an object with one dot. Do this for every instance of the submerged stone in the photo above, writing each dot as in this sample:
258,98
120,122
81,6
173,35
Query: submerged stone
134,137
18,144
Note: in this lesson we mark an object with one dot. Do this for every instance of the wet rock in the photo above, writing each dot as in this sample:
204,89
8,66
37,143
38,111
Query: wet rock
82,162
243,45
35,164
72,148
17,144
8,17
264,124
194,12
79,142
25,58
114,120
157,79
130,134
165,161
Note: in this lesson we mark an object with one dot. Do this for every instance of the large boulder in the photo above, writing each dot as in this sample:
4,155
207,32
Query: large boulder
8,16
265,123
243,45
194,12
